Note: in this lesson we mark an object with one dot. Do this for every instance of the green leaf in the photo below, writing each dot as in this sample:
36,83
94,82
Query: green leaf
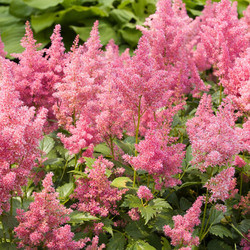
42,4
53,161
140,245
215,217
218,244
121,182
108,225
187,184
46,144
89,161
160,204
122,16
165,244
43,21
19,9
116,242
79,217
185,203
65,191
131,201
9,221
101,148
7,246
137,230
147,213
127,148
220,231
131,36
244,225
11,38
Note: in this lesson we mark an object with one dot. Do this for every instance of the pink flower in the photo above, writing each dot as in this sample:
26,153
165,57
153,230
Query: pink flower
134,214
40,225
239,162
222,186
145,193
181,234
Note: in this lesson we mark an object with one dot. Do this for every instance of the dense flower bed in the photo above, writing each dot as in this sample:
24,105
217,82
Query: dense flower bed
149,151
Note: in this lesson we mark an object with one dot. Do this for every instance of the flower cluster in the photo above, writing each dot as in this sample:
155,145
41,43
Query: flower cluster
145,193
41,224
214,138
181,234
94,192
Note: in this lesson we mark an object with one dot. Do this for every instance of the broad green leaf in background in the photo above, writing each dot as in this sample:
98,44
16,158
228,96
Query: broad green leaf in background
140,245
20,9
42,4
218,244
41,22
11,38
65,191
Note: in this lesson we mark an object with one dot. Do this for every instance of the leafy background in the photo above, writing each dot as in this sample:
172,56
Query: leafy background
117,19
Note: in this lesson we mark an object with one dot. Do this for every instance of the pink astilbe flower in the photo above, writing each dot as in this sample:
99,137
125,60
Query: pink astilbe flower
237,83
21,129
94,192
245,243
170,34
94,244
239,162
134,214
181,234
158,158
40,225
223,37
244,204
36,74
214,138
145,193
222,186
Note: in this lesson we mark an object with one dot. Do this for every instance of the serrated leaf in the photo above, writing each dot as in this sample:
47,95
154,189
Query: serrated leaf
220,231
140,245
116,242
79,217
137,230
147,213
127,148
46,144
131,201
108,226
215,216
42,4
65,191
159,203
218,244
244,225
9,221
121,182
185,203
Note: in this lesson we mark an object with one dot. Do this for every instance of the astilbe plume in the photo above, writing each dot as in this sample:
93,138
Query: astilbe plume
181,234
222,186
21,129
214,138
36,74
244,204
159,158
42,224
222,36
144,193
170,33
237,84
95,193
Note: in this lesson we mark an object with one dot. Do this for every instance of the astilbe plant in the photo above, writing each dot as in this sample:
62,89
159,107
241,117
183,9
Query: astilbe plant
94,192
214,138
42,224
181,234
21,129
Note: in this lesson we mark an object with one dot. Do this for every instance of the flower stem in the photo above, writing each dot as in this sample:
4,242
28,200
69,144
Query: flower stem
137,134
